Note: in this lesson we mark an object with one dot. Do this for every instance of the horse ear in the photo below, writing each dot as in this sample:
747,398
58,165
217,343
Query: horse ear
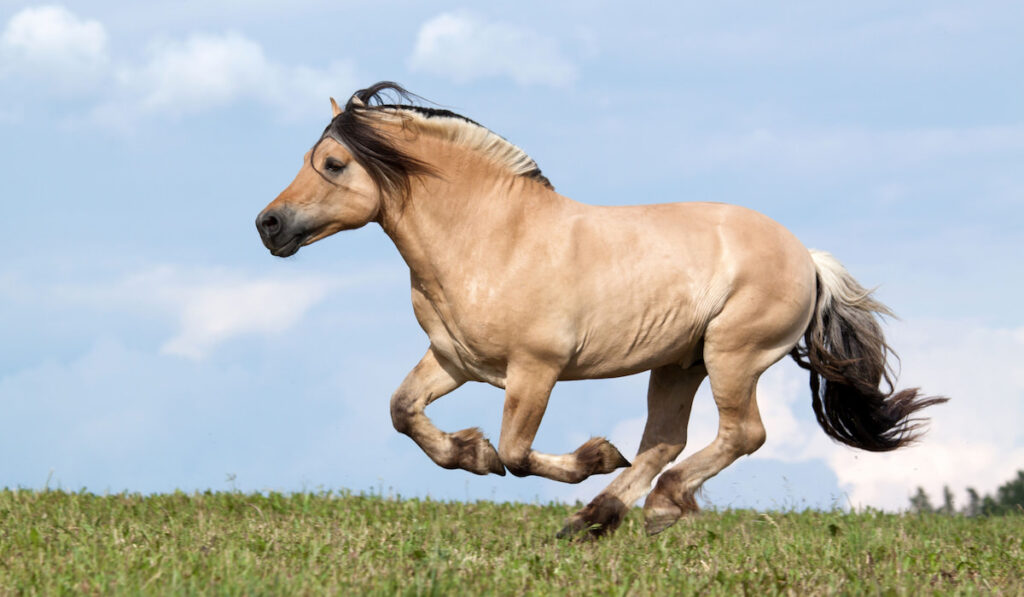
355,101
334,108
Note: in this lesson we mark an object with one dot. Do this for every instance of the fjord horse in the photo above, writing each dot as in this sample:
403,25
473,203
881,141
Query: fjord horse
520,287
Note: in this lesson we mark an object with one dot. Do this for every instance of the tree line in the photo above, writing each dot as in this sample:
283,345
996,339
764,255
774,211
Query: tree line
1008,499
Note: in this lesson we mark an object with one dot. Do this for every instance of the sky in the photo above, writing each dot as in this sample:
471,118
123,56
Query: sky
148,341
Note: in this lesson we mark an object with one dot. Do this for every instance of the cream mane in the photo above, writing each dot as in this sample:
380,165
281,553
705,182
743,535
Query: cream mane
473,136
389,166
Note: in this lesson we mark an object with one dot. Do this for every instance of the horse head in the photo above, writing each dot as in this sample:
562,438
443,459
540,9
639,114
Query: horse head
346,178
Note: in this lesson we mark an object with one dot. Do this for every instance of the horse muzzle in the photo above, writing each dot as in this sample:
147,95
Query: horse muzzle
280,231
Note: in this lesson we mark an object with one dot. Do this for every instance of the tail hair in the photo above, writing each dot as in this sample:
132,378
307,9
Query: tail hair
852,388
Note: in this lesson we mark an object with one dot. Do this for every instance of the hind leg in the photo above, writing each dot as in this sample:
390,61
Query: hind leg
755,329
669,400
734,376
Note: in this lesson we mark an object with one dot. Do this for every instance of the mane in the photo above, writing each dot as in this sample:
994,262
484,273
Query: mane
389,167
472,135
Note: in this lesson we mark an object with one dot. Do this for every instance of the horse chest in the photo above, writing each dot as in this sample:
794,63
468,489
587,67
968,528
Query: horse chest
465,344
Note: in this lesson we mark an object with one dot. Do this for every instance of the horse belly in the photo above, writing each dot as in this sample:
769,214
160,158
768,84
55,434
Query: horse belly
618,348
474,365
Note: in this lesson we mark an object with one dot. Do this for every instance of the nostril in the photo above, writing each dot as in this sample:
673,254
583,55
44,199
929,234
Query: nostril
270,224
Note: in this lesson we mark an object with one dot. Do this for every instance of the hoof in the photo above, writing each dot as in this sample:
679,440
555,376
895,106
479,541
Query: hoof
661,511
599,518
475,453
492,461
573,527
656,521
598,456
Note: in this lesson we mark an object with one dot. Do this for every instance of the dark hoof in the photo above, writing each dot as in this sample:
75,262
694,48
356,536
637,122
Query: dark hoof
572,527
494,464
598,456
599,518
475,453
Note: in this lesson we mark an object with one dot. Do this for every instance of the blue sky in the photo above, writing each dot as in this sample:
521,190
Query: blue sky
148,342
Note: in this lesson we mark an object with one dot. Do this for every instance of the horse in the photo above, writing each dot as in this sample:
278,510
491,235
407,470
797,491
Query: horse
520,287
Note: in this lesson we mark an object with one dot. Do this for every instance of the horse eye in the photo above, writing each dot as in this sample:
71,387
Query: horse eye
333,166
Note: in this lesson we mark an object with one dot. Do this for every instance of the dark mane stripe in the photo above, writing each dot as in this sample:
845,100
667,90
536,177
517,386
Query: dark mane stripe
429,112
390,168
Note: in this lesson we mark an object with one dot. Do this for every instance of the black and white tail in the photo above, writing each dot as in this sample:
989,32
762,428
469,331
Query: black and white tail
846,353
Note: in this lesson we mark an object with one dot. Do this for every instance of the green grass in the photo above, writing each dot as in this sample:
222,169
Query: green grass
54,542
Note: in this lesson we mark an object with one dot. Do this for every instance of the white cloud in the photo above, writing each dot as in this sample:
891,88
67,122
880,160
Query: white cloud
887,481
214,306
974,440
57,50
199,72
51,42
464,47
210,305
213,313
971,441
211,71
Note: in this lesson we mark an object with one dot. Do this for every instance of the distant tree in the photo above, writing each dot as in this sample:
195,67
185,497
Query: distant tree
989,506
1010,496
920,502
1008,499
947,501
973,507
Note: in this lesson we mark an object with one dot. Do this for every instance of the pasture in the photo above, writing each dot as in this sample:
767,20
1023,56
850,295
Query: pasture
55,542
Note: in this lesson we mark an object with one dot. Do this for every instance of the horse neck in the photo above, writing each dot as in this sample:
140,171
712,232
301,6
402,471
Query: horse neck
468,201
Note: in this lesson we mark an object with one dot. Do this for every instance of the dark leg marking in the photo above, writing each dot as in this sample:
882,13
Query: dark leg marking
599,456
600,517
474,453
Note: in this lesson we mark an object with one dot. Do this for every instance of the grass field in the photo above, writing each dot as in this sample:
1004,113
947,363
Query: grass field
55,542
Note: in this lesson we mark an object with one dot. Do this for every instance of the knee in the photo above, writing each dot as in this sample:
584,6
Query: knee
402,412
516,460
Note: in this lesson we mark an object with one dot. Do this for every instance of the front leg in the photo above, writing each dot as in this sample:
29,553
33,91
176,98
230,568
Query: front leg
527,388
468,449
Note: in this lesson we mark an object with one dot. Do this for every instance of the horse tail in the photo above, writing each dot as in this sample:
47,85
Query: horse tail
847,356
